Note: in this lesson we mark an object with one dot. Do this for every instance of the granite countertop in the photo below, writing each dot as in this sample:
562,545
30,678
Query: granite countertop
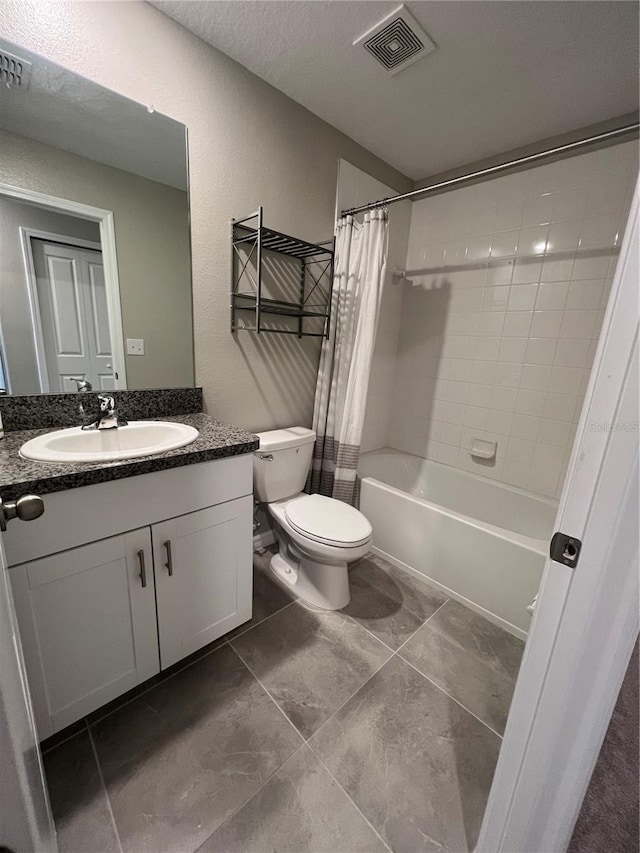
19,476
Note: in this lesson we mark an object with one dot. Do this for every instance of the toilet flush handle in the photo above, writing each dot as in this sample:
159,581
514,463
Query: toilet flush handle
268,457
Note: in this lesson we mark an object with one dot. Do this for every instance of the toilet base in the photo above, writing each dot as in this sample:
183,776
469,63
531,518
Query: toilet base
320,584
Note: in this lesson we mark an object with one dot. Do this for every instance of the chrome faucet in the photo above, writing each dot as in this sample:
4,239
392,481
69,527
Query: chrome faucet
107,416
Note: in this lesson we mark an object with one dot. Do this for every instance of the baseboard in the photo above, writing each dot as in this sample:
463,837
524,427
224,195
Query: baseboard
262,540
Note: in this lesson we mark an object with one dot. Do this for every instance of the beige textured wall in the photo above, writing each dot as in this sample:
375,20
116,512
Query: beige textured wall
248,144
15,312
152,243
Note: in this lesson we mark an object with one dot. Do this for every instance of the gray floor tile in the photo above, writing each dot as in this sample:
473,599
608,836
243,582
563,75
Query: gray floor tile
182,758
310,661
78,800
268,595
299,810
473,660
415,763
390,603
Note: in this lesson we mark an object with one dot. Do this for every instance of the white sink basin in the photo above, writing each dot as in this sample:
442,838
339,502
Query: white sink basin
138,438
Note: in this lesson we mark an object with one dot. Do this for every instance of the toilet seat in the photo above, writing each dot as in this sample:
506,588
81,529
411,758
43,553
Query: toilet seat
328,521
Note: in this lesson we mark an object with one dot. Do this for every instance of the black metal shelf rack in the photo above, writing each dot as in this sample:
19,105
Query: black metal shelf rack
250,239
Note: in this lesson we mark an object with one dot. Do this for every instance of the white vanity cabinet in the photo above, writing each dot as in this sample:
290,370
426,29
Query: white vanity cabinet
88,626
119,580
199,560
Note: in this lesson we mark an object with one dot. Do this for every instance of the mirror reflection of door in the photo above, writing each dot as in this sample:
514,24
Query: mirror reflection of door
71,295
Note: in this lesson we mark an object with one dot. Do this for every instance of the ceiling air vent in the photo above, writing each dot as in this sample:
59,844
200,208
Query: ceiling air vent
397,40
15,73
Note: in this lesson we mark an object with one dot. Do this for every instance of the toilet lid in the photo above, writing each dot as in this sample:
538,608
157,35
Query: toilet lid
328,520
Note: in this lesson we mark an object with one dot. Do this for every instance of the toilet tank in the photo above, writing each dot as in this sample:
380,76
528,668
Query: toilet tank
281,465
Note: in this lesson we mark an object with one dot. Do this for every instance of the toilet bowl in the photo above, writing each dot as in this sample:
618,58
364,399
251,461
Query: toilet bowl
317,536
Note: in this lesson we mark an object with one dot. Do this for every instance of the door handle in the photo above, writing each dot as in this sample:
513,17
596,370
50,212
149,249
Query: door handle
25,508
169,563
143,568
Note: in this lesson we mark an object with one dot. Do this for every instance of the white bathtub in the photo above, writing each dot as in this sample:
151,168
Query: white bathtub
479,541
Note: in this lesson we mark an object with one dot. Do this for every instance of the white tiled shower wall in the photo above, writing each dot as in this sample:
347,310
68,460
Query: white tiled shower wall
498,330
357,187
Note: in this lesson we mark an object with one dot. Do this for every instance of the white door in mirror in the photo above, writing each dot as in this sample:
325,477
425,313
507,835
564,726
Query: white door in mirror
138,438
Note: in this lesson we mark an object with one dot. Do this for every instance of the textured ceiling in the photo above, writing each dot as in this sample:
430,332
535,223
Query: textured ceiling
67,111
504,74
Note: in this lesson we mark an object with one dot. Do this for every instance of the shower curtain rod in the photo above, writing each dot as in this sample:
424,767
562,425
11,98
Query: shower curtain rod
495,170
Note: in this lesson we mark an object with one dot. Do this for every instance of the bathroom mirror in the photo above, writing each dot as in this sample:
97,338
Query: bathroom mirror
95,266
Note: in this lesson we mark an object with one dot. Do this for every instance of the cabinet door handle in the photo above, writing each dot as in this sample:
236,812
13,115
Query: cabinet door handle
169,563
143,569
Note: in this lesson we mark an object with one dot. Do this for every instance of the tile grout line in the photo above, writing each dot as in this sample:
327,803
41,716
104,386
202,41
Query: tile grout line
153,686
386,645
224,642
104,787
350,798
441,689
428,619
245,664
302,743
377,669
253,796
349,698
305,739
396,653
449,696
364,628
261,622
305,742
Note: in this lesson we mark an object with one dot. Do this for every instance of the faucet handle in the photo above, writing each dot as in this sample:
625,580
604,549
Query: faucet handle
107,403
82,384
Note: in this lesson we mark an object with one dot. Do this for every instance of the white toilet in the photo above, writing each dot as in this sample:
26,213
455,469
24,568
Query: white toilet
317,536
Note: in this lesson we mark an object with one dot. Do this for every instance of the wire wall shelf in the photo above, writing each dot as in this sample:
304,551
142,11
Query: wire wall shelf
279,284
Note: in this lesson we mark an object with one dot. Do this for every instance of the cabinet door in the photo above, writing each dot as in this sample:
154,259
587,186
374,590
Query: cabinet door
88,626
203,566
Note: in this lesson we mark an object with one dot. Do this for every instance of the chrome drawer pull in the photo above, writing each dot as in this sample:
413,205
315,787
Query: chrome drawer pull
169,563
143,570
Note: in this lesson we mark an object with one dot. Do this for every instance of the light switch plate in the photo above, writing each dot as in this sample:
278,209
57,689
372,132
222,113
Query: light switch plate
135,346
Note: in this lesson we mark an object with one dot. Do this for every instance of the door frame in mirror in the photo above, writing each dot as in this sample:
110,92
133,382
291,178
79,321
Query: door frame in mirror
105,220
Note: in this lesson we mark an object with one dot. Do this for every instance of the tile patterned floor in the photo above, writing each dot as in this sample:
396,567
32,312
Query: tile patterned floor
376,728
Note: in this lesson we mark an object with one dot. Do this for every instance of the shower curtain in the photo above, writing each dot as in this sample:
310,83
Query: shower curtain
345,360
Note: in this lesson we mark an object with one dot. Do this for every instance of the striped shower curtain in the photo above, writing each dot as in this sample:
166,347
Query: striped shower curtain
345,361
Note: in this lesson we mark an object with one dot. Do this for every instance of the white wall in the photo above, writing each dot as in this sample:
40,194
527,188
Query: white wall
248,145
498,333
356,187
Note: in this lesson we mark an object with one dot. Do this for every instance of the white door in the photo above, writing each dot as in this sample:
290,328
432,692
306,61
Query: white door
88,625
73,311
25,817
203,576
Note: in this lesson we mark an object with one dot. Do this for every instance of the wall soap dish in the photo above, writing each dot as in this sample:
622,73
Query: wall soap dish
481,449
